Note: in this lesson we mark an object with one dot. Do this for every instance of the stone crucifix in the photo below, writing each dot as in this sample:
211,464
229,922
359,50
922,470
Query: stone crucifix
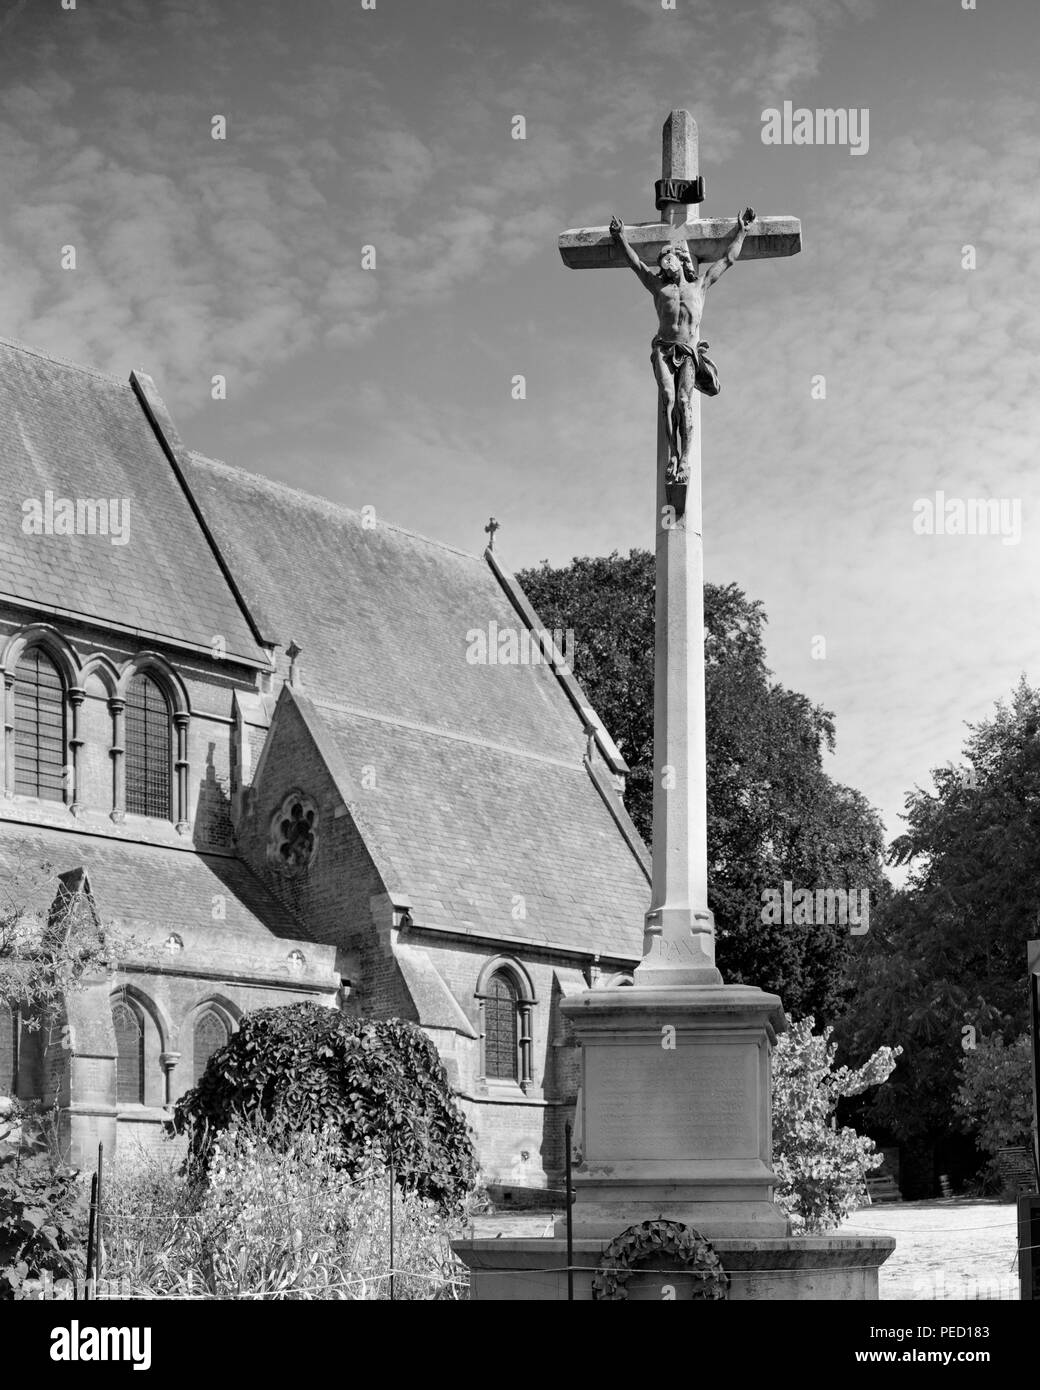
690,253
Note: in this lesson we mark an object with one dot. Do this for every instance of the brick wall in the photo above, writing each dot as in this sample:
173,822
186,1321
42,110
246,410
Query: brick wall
340,896
341,901
95,761
210,686
507,1124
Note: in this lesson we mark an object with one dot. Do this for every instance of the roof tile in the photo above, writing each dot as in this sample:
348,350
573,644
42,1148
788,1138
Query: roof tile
79,434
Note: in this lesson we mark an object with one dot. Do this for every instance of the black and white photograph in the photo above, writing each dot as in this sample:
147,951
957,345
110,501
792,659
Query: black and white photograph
519,786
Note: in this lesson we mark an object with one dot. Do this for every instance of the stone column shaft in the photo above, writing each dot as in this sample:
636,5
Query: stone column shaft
679,942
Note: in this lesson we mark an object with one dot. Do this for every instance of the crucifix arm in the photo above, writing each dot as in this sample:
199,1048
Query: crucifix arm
719,267
646,275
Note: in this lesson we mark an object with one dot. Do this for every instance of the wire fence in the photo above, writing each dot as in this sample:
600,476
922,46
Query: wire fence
450,1281
364,1285
292,1274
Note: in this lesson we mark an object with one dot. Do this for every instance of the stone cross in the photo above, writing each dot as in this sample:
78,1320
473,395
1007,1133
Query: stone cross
679,936
491,528
590,248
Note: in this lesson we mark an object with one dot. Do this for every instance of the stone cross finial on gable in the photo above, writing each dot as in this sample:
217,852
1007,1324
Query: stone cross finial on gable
491,528
293,651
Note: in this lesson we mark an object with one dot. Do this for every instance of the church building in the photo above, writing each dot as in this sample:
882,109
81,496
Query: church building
252,736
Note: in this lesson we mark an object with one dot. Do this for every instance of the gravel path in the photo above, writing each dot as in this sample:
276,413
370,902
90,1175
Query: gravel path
950,1248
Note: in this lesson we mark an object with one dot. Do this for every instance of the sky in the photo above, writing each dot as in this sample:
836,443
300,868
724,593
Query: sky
391,125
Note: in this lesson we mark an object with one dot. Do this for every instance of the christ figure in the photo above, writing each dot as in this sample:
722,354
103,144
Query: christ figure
680,365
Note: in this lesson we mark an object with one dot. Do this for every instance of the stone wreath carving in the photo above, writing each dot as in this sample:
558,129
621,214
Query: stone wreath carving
692,1252
293,841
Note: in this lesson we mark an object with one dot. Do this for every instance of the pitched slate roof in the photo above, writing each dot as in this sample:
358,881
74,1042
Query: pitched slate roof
381,614
482,792
80,434
478,834
488,798
139,885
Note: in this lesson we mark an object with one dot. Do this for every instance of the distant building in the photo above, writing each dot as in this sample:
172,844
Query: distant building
240,724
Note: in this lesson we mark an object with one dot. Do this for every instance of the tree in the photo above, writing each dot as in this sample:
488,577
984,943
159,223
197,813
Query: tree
609,604
379,1082
821,1170
945,963
42,1207
995,1096
774,816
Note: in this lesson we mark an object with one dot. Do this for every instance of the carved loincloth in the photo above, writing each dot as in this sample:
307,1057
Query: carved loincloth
705,372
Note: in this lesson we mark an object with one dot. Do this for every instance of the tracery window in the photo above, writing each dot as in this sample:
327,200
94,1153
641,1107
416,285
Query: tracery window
209,1035
128,1023
501,1030
293,839
39,727
148,749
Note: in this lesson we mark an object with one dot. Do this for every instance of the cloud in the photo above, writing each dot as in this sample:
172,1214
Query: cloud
244,257
788,42
257,239
8,20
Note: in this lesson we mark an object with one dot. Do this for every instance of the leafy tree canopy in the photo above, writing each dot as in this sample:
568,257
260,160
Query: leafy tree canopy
773,813
944,966
995,1096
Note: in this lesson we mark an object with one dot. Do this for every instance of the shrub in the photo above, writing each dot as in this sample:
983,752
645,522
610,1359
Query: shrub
276,1217
995,1095
283,1218
150,1224
821,1169
42,1209
377,1083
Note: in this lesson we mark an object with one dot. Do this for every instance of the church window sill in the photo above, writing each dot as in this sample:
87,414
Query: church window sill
498,1088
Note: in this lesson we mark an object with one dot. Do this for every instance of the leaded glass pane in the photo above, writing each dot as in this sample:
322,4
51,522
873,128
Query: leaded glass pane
210,1036
39,728
147,750
500,1028
130,1054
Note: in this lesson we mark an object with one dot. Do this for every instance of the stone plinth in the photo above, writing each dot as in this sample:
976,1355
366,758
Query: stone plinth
799,1267
675,1117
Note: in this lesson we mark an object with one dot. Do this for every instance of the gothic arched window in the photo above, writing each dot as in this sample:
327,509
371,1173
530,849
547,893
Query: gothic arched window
209,1036
129,1028
148,749
39,727
501,1032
